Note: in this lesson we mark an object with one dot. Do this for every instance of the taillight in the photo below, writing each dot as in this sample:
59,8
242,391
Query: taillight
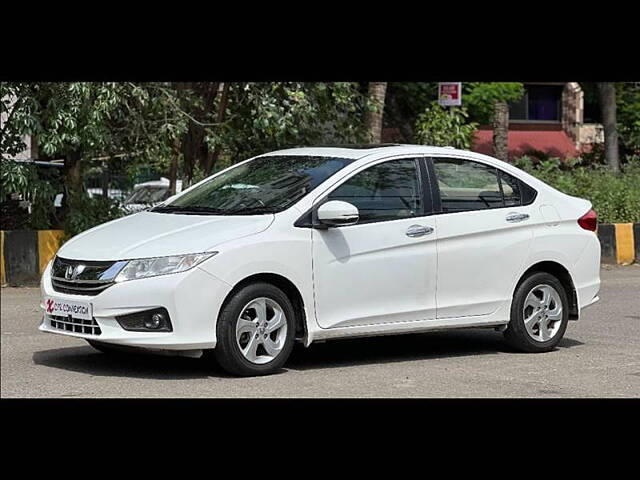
589,221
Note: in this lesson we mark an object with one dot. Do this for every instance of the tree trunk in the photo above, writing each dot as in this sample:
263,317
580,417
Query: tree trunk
222,108
373,120
72,173
607,96
173,169
194,148
35,151
501,131
105,178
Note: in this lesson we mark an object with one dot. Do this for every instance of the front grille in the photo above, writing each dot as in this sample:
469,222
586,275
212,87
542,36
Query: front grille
80,277
76,325
77,288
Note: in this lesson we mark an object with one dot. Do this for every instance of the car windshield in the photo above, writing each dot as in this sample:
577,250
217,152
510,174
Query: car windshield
266,184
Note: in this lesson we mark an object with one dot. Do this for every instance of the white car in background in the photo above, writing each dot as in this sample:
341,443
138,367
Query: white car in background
311,244
148,194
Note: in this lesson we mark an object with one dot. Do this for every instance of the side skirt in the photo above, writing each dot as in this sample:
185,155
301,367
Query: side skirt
405,328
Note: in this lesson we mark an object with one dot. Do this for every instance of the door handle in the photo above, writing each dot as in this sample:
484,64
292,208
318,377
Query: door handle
517,217
418,231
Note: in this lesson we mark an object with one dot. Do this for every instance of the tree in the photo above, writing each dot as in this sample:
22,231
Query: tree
186,129
489,100
405,102
501,130
628,117
607,97
80,121
269,116
375,111
441,128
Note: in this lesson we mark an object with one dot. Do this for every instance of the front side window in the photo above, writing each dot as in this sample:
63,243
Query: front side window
386,191
266,184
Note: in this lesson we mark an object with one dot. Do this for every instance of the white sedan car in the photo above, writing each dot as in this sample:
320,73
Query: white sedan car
310,244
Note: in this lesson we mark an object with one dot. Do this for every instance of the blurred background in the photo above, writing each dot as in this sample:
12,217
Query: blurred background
75,155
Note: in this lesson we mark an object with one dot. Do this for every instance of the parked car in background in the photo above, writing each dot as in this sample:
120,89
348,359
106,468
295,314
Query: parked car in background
149,194
311,244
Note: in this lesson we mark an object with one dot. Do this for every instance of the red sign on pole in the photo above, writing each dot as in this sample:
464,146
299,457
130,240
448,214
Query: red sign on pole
450,94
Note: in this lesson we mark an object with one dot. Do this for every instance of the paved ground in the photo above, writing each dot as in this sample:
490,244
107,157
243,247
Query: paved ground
599,357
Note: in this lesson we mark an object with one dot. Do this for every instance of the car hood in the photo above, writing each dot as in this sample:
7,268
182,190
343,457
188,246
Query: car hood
149,234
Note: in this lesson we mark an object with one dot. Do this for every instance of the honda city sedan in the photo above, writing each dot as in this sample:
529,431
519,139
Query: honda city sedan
318,243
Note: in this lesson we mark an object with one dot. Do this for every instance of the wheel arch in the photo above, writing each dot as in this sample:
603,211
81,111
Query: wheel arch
562,274
288,287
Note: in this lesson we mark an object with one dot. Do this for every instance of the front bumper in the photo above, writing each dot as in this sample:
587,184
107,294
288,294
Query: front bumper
193,300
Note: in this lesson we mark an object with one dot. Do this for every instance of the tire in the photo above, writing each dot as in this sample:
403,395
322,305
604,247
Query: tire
265,353
532,336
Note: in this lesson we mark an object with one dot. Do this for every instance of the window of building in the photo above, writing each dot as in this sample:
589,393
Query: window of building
539,103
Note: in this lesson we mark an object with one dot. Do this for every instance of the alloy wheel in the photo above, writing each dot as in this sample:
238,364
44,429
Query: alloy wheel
261,330
542,312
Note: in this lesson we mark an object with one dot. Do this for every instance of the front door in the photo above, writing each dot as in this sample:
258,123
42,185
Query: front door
383,269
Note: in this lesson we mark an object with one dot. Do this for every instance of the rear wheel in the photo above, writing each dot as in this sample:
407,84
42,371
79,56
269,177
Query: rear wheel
255,331
539,314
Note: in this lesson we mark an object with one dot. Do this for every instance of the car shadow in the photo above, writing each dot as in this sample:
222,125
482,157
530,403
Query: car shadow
126,364
332,354
403,348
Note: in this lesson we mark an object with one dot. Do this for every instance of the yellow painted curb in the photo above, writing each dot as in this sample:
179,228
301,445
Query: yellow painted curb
625,248
3,279
49,242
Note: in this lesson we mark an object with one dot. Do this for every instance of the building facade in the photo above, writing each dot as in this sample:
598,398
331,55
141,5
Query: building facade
549,120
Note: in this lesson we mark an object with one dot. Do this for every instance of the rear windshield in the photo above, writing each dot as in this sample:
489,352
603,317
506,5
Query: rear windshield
267,184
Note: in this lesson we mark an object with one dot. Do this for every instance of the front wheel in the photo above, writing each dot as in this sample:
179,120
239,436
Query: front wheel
255,331
539,314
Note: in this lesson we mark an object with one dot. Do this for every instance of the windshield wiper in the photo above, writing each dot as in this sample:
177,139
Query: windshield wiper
251,211
193,210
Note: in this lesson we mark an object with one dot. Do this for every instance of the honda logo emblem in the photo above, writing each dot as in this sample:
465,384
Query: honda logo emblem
71,273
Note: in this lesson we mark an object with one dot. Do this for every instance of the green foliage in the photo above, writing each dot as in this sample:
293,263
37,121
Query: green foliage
269,116
147,123
86,213
24,180
11,138
628,116
439,127
480,98
616,198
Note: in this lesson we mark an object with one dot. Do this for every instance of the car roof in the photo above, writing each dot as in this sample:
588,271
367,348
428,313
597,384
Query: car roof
378,151
358,151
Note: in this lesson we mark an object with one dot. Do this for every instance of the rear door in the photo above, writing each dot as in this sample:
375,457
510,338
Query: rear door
383,269
484,235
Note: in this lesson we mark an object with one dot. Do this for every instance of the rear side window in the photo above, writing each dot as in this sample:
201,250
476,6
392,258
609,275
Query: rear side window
466,185
386,191
528,193
510,190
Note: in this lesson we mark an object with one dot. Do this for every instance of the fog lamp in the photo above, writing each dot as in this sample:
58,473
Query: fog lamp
156,320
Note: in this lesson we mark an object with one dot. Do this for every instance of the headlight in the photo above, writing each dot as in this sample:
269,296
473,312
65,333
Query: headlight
152,267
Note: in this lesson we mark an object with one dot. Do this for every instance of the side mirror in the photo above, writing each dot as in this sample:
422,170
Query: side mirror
337,213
